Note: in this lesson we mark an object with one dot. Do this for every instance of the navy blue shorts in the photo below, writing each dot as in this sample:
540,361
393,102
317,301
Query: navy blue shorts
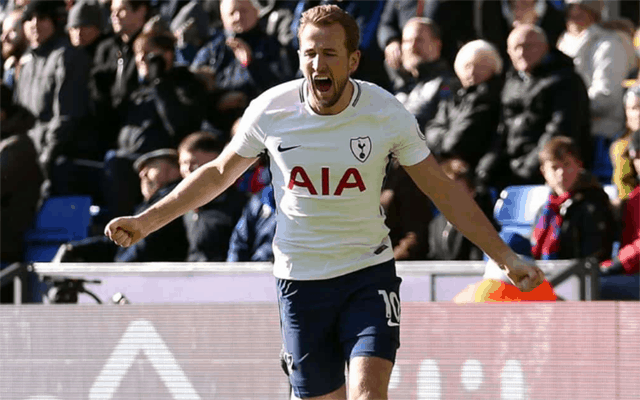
327,322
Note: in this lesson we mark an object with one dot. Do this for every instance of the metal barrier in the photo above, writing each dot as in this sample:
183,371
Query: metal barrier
423,280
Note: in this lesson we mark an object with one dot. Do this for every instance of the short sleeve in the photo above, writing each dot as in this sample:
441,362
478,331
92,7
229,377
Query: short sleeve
249,139
409,146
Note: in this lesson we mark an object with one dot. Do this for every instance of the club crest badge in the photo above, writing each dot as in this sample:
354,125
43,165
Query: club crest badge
361,148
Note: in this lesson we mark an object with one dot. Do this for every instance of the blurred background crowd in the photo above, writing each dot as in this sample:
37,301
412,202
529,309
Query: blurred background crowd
121,99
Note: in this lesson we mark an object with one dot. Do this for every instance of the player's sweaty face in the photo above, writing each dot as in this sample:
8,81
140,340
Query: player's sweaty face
327,64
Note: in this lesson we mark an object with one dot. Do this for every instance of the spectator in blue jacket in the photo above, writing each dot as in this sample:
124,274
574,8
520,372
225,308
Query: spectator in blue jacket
252,238
244,60
208,227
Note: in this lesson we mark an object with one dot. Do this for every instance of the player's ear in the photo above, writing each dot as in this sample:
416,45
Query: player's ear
354,61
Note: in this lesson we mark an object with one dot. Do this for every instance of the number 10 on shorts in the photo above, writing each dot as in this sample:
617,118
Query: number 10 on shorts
392,307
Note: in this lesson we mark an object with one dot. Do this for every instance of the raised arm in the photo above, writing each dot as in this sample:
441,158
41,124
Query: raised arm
196,190
463,212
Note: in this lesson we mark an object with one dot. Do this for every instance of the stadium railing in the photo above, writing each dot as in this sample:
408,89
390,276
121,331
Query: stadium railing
211,282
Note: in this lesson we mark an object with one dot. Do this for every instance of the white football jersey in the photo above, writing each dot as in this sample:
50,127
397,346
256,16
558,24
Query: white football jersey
327,175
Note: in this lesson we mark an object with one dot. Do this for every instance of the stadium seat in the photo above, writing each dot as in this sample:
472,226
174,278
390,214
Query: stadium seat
59,220
517,207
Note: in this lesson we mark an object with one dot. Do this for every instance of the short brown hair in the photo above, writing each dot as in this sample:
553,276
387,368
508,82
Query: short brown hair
201,141
331,14
558,148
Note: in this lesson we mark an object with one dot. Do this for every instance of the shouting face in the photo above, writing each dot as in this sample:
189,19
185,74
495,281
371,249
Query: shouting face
327,65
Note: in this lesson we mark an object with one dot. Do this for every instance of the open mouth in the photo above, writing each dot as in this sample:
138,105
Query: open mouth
323,84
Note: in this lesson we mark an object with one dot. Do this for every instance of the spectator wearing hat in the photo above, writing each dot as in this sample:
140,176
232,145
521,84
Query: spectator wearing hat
84,25
601,61
14,44
159,173
53,86
620,276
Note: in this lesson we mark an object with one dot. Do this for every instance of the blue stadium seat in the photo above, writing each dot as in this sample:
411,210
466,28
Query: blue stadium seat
517,207
59,220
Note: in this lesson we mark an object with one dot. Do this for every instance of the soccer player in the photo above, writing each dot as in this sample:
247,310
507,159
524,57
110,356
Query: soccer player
329,138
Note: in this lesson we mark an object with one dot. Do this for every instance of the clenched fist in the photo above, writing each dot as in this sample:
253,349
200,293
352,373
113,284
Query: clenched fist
125,231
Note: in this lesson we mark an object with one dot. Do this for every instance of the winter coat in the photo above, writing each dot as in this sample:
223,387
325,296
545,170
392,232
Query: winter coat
114,73
20,184
551,102
161,113
53,86
252,237
421,96
209,227
466,123
114,78
601,60
588,224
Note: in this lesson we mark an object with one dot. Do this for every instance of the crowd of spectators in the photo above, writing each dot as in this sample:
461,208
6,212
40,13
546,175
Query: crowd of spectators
120,99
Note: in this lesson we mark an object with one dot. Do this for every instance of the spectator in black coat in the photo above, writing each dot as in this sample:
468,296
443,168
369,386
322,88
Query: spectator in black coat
21,178
84,25
53,86
543,97
169,104
429,79
114,76
209,227
159,173
466,122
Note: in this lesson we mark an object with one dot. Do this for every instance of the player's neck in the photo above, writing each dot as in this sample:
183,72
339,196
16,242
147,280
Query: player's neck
339,106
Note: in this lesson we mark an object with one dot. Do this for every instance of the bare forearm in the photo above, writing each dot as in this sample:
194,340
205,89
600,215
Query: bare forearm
199,188
460,209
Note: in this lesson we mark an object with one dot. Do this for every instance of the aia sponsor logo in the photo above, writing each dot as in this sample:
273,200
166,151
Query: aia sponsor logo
351,179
